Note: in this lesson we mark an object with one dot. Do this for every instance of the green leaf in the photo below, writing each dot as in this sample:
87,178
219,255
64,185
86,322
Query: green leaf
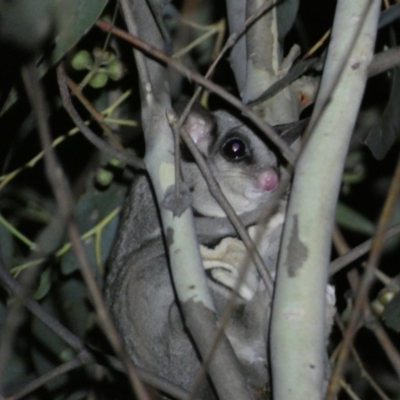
93,207
353,220
389,16
286,12
384,133
67,304
16,373
44,284
26,24
74,18
6,245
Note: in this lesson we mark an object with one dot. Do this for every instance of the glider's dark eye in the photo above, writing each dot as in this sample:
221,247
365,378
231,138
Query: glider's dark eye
235,149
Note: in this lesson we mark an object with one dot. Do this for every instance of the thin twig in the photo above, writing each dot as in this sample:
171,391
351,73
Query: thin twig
232,39
342,248
370,321
366,282
216,191
42,380
348,390
352,275
358,251
63,196
384,61
154,120
14,314
129,159
214,187
159,55
383,338
77,344
363,370
13,320
229,308
102,312
11,284
98,116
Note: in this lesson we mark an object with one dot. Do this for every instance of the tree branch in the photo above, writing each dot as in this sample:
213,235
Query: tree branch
86,131
297,330
209,85
185,259
63,196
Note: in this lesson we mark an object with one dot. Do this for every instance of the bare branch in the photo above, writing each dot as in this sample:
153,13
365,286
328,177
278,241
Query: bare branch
297,328
185,259
358,251
384,61
61,190
103,146
156,53
366,281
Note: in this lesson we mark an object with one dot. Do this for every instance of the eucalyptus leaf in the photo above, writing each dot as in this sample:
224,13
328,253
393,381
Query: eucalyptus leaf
287,12
44,284
353,220
73,20
93,207
383,134
67,304
16,374
25,24
6,245
388,16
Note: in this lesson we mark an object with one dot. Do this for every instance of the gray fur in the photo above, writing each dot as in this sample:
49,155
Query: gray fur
235,178
139,289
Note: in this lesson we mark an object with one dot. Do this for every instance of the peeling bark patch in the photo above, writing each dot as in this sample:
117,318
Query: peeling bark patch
177,205
297,251
170,237
355,66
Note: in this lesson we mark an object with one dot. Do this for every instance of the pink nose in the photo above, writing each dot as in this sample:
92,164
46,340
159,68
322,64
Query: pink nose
268,180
